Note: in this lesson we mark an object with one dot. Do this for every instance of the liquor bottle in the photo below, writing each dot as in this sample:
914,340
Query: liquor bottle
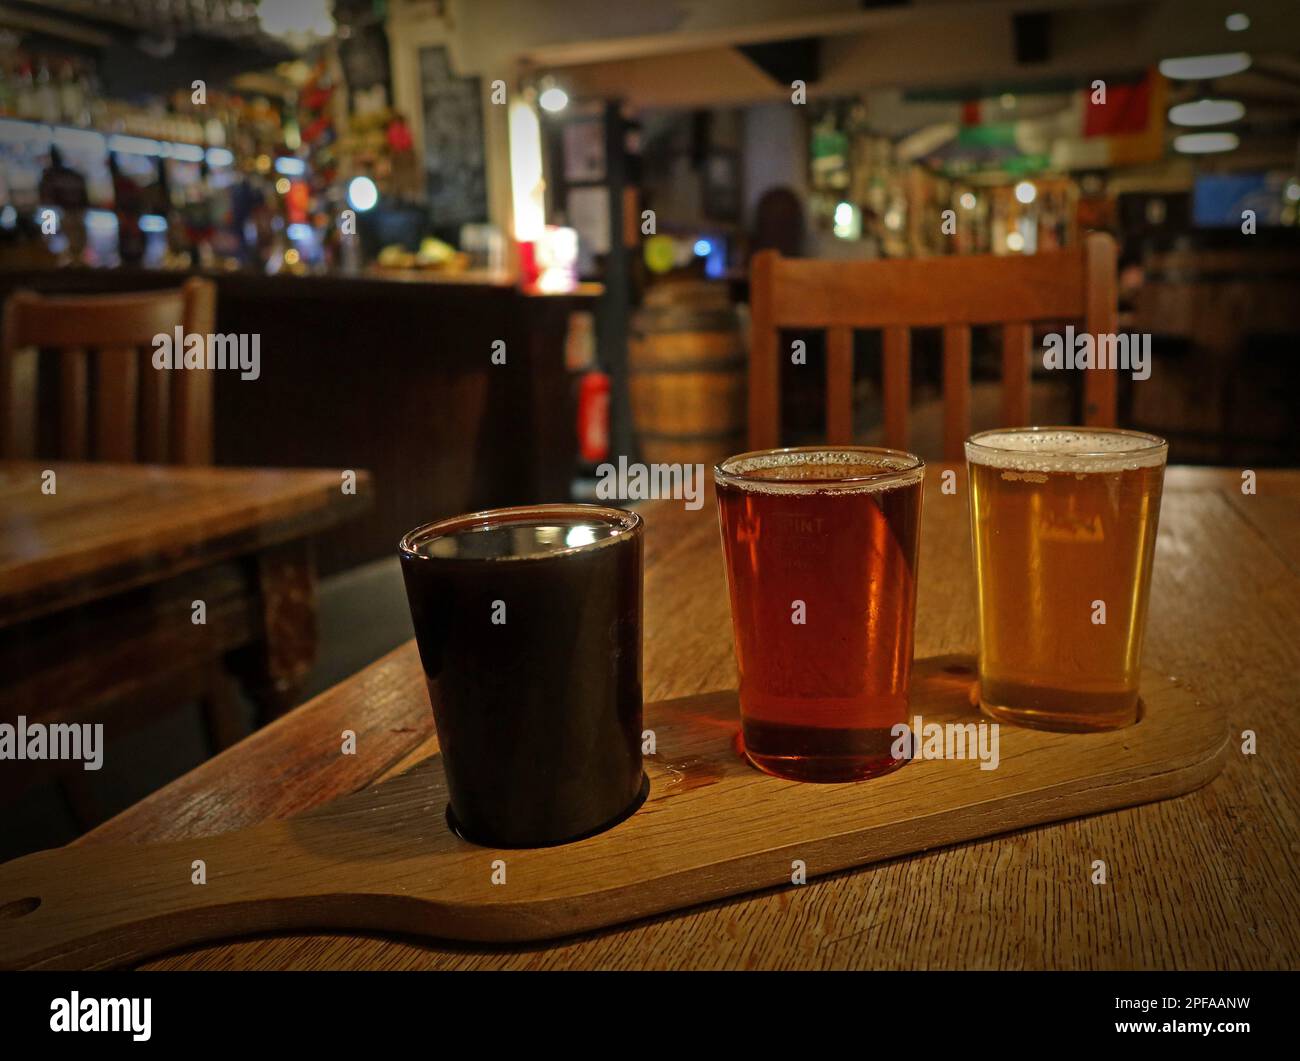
72,100
47,94
24,92
8,72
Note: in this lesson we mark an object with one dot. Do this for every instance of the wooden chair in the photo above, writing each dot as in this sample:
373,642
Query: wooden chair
951,293
139,412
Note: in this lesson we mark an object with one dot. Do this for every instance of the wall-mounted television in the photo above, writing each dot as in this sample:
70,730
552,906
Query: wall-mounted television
1219,200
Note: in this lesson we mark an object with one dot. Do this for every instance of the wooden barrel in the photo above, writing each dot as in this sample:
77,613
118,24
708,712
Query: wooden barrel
687,376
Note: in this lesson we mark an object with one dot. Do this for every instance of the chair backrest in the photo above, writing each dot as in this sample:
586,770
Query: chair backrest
952,293
139,413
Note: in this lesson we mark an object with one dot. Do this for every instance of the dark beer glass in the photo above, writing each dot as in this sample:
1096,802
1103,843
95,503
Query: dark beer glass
528,622
820,545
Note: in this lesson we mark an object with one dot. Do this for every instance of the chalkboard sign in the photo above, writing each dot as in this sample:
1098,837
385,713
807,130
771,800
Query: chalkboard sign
456,174
364,56
364,51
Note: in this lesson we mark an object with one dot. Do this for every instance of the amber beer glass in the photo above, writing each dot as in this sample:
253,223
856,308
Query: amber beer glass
1064,528
820,546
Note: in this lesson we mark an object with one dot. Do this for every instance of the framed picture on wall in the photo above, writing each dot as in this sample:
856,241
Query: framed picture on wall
722,185
584,152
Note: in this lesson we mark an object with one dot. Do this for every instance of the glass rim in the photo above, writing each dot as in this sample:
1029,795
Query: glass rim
911,466
625,523
1148,441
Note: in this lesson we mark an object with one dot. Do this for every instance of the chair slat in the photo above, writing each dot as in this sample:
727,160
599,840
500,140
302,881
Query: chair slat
764,369
18,362
839,386
191,420
115,403
1101,317
1016,340
18,403
74,412
956,390
155,410
896,382
192,391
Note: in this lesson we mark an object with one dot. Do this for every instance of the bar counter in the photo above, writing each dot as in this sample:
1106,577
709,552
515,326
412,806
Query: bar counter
393,374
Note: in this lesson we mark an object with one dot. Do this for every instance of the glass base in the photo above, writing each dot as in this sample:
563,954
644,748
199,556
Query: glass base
820,754
822,769
1060,722
480,840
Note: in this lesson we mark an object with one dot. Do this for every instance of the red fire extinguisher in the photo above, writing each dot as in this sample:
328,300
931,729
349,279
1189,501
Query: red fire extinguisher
593,417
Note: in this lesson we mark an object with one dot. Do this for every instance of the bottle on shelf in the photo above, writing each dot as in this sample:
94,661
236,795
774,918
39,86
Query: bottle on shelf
47,94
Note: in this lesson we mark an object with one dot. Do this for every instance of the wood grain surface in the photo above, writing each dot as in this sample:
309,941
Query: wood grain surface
1207,880
108,527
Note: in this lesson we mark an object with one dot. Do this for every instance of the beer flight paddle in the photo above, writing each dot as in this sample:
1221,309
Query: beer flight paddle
383,859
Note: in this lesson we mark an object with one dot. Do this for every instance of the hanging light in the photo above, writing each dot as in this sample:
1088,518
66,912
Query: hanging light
1205,143
553,99
299,23
1207,112
1205,67
1026,193
1237,21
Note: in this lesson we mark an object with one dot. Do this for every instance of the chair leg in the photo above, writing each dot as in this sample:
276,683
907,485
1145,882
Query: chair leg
222,716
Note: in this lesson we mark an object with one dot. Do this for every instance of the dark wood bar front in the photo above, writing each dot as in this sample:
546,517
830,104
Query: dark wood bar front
395,376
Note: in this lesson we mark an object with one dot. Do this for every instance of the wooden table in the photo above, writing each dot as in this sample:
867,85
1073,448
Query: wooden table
100,569
1208,880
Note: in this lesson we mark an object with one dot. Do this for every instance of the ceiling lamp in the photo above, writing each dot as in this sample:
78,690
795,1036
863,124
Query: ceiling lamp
299,23
1206,112
1205,143
1205,67
553,99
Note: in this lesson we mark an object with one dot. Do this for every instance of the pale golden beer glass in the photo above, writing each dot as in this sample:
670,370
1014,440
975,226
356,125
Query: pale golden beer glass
1064,526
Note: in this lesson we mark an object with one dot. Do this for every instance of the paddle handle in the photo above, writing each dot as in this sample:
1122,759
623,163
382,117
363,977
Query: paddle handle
99,906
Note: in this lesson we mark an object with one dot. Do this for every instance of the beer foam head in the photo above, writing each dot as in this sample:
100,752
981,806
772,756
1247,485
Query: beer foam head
1066,449
827,469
